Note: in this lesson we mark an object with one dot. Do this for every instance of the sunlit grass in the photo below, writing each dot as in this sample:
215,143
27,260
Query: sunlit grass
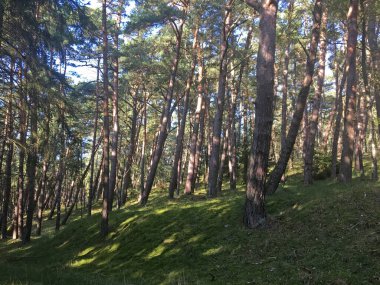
325,233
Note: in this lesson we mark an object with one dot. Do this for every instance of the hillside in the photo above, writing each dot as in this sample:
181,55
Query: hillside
323,234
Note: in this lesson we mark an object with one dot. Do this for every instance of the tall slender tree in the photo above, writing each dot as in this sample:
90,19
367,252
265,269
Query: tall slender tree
165,120
345,170
106,126
214,162
279,170
310,143
254,209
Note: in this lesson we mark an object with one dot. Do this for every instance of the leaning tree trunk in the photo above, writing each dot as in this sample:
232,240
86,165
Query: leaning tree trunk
279,170
214,162
181,132
313,123
79,186
345,170
165,119
254,212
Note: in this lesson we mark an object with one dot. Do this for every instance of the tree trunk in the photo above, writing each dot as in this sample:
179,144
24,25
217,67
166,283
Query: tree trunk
328,129
218,117
31,164
165,119
310,143
127,177
79,187
284,103
373,141
338,120
363,117
106,127
254,210
223,156
143,148
115,113
20,182
91,190
235,93
375,54
60,173
345,170
279,170
41,198
191,169
8,161
181,132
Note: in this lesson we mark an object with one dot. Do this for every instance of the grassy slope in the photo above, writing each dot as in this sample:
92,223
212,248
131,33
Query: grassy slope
323,234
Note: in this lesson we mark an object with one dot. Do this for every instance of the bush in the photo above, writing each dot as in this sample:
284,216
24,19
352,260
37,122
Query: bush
322,166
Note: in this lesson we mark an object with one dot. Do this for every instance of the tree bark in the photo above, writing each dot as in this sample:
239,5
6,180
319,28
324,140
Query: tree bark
91,190
191,169
106,128
8,161
345,170
373,142
21,177
338,120
313,123
375,55
284,103
254,210
328,129
143,149
61,172
223,155
181,132
31,164
127,177
214,162
78,188
235,93
115,112
365,95
165,119
279,170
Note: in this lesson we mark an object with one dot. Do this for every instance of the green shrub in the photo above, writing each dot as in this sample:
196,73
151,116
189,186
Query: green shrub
322,166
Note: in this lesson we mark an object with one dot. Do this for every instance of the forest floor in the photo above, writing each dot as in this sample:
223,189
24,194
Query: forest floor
327,233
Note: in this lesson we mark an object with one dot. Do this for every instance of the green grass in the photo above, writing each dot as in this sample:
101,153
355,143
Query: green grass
327,233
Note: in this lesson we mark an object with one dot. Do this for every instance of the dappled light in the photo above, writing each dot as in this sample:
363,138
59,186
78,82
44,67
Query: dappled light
189,142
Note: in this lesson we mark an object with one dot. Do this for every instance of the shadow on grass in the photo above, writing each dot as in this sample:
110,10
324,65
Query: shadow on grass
324,233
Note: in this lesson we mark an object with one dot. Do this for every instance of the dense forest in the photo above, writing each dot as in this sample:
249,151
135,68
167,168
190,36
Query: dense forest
106,104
